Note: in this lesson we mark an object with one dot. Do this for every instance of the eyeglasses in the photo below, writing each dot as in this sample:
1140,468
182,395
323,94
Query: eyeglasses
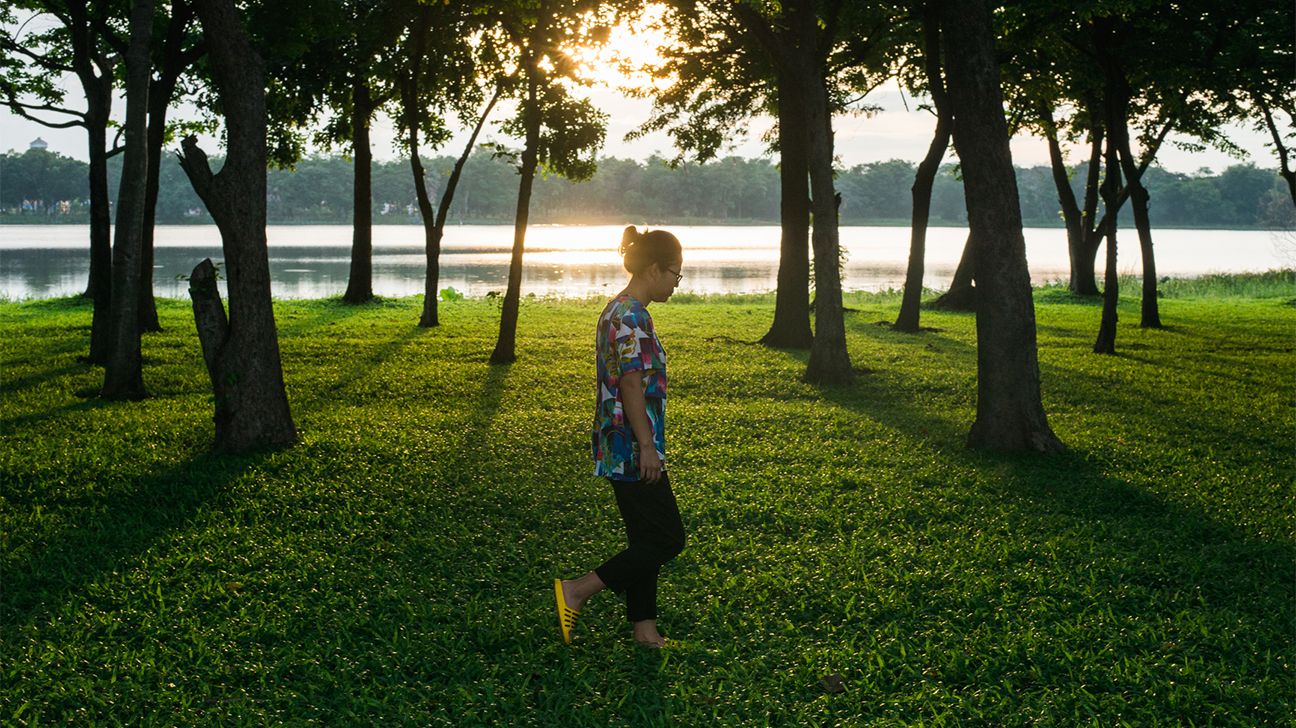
678,276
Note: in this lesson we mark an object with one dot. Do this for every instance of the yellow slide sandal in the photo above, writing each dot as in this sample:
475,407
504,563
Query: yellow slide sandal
566,615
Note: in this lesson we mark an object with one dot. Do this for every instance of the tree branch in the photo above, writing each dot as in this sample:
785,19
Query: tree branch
117,146
448,193
193,161
9,44
22,110
1279,146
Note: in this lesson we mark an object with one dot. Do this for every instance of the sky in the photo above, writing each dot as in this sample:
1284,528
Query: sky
894,133
899,131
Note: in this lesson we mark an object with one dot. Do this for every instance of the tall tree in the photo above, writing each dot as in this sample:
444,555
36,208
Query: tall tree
1111,36
123,373
722,75
241,350
800,37
558,131
1106,341
334,78
32,62
372,28
1010,413
933,81
440,73
174,52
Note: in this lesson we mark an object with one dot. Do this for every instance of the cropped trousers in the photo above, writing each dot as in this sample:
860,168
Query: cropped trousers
655,535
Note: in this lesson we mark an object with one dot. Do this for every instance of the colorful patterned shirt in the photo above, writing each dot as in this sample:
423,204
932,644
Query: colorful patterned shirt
626,342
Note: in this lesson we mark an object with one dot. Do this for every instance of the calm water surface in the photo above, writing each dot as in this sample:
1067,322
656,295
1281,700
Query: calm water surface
38,261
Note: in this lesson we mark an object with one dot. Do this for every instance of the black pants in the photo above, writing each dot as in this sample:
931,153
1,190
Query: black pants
656,535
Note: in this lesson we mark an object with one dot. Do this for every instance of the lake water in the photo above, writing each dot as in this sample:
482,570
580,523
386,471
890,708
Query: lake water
38,261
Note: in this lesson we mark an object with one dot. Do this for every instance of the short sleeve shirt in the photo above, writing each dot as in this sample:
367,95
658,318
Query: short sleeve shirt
625,342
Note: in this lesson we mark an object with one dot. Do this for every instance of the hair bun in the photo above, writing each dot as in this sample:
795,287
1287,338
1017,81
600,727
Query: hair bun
629,237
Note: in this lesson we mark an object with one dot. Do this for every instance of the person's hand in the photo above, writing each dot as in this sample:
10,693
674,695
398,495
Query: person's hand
650,465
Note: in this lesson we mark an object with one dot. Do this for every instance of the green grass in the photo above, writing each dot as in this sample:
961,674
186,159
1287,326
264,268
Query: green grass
394,567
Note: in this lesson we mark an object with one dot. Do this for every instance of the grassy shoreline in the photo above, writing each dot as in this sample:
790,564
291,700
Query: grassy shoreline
393,566
1051,224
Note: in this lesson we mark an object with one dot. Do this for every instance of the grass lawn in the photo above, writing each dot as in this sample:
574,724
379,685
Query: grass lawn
395,566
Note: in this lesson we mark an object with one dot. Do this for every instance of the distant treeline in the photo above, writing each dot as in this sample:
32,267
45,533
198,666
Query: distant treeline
40,186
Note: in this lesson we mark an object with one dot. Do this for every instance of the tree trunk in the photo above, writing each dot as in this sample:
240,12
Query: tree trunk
94,71
961,295
1106,341
1151,315
123,373
1109,37
243,356
413,116
433,235
159,99
505,352
1072,216
360,284
100,286
1010,414
925,177
829,360
162,88
791,327
1082,256
431,231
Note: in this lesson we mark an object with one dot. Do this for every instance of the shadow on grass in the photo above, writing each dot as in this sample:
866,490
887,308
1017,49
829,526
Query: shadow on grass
316,315
88,536
82,404
1170,548
1167,547
40,377
360,367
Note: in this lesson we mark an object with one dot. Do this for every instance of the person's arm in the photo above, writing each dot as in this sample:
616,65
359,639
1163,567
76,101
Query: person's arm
635,410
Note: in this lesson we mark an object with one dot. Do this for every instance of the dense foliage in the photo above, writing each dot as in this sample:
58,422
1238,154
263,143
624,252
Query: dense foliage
731,189
394,567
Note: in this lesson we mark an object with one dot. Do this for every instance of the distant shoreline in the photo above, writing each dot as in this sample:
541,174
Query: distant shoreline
683,221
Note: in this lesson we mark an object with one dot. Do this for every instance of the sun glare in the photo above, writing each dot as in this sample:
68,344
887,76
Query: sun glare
625,62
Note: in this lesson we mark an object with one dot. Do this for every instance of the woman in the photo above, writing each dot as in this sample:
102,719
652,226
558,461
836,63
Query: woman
629,439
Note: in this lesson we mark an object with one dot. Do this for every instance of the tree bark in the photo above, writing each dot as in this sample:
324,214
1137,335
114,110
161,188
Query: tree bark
94,71
791,326
360,283
1108,39
148,318
431,238
1151,315
100,285
243,357
161,89
925,177
123,373
159,100
1010,413
1083,282
505,351
434,232
961,295
829,360
1106,341
1072,216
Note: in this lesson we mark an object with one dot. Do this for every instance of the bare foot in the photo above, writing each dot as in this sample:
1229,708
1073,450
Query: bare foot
578,591
646,635
570,595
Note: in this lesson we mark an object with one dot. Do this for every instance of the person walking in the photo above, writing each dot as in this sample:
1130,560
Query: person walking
629,439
